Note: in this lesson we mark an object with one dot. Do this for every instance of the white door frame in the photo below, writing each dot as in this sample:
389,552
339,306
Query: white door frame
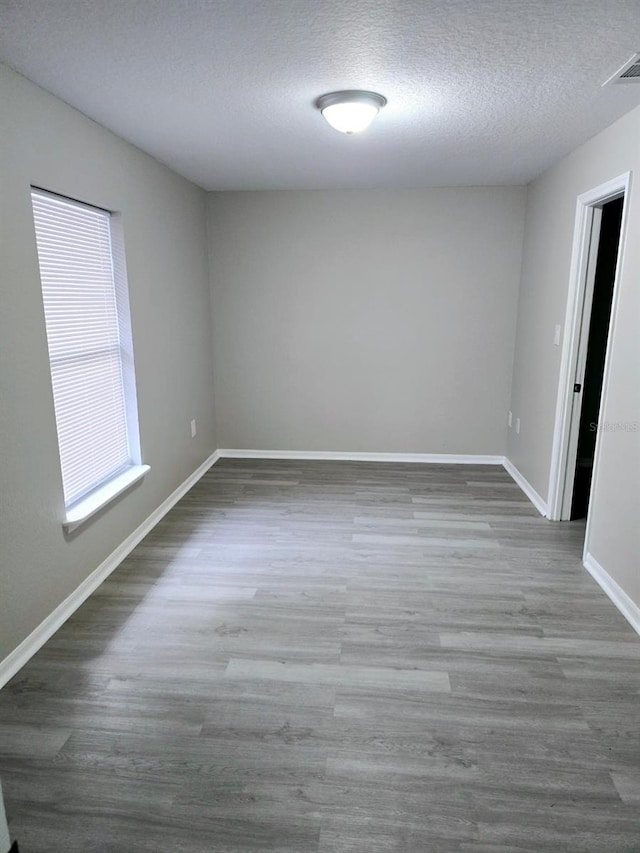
587,221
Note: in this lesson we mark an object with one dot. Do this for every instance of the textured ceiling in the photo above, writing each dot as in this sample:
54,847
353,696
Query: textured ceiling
479,91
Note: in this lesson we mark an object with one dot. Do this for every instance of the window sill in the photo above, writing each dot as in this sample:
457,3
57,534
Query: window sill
93,503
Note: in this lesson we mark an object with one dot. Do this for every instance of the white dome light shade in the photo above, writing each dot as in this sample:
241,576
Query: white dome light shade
350,118
350,111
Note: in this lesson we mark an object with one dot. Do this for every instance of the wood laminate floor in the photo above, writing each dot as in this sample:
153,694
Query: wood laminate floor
329,657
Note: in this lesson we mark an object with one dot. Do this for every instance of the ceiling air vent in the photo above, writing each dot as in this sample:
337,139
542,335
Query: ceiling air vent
629,73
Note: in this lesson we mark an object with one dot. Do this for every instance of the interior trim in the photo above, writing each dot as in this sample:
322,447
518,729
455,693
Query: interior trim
613,591
39,636
88,506
348,456
585,204
539,503
16,659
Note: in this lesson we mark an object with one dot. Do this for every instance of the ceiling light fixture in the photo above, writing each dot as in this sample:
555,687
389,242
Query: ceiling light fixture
351,111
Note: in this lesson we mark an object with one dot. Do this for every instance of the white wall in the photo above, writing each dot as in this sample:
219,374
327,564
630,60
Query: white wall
614,538
379,321
46,143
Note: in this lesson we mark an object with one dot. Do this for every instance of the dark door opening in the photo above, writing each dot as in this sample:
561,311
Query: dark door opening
596,351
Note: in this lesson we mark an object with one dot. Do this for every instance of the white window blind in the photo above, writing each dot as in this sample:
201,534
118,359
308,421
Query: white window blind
84,328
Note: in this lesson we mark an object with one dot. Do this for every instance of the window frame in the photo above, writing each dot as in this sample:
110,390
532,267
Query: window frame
102,492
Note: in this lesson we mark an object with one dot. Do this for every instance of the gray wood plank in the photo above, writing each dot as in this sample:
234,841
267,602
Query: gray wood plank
333,657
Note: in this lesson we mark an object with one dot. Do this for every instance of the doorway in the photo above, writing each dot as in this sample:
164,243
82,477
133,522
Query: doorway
594,334
597,253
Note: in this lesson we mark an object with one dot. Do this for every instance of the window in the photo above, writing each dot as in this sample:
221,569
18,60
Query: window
90,352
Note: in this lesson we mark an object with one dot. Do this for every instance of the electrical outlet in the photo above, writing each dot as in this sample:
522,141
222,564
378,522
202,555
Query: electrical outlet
193,428
518,425
510,419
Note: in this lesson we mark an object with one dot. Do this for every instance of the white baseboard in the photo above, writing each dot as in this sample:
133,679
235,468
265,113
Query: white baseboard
616,594
47,628
527,488
39,636
348,456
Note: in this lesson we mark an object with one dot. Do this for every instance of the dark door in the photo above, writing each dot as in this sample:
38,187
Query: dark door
596,351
